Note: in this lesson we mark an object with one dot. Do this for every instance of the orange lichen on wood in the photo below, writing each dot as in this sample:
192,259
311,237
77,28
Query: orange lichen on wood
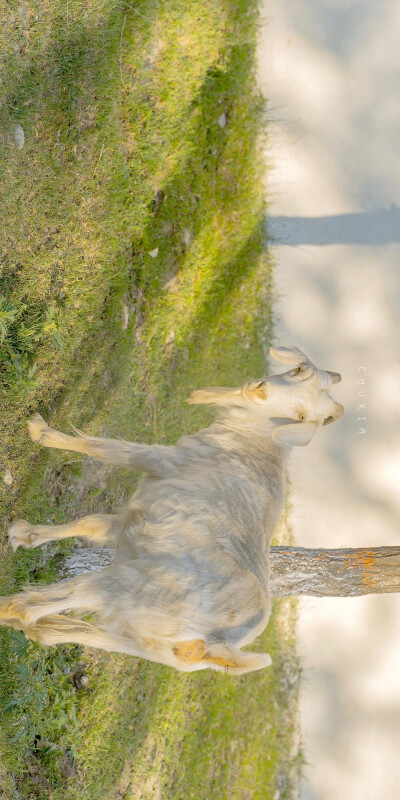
366,560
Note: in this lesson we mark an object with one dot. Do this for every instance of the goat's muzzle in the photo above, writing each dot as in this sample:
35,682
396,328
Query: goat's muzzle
338,412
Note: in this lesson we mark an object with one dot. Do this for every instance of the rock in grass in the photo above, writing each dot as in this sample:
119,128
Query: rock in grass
8,478
125,316
67,766
19,136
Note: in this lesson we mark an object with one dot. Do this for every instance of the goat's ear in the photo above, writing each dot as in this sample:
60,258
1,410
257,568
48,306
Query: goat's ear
217,395
290,355
295,434
255,390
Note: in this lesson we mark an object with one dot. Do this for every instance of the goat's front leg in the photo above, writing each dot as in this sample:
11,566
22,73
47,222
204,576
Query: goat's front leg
155,459
97,527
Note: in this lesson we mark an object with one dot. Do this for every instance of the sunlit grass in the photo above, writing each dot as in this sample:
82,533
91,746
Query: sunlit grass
133,271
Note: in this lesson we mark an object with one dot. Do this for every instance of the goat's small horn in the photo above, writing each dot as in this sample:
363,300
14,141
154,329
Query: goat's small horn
336,377
338,412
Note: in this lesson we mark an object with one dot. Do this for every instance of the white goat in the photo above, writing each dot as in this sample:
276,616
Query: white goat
189,586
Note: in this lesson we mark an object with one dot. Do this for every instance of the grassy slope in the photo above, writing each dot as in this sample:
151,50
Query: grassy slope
126,152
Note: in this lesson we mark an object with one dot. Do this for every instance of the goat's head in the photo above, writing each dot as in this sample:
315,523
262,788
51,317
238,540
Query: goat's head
293,405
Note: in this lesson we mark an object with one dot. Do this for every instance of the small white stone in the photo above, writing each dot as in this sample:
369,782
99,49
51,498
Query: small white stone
154,253
222,120
125,317
8,478
19,136
170,338
186,236
171,284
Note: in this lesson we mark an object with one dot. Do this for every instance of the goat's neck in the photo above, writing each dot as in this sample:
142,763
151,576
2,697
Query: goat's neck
254,435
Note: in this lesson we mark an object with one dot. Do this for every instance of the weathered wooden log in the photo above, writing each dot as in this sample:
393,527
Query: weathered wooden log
334,573
296,570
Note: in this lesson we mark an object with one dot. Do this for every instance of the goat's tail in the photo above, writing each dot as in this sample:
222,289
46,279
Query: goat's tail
244,396
215,395
223,657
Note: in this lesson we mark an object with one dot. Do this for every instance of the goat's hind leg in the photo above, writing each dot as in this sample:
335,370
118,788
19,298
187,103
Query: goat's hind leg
87,592
60,628
97,527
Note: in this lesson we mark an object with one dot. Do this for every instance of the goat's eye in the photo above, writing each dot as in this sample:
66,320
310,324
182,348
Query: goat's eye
298,370
301,417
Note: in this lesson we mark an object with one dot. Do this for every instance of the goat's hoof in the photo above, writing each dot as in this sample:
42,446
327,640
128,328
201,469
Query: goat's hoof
22,534
37,428
12,612
4,610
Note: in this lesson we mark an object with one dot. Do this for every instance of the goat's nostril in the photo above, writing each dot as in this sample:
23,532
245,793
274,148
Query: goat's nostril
338,412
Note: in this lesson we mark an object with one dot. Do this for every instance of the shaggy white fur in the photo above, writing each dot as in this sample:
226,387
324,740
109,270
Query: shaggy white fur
189,586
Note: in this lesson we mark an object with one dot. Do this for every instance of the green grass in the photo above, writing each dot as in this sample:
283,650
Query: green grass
142,130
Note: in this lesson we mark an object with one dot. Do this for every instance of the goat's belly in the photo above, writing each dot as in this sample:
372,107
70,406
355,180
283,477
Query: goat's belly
192,591
200,529
211,503
207,489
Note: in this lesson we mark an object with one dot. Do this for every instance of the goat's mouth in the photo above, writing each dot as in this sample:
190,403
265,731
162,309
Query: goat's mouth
279,421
